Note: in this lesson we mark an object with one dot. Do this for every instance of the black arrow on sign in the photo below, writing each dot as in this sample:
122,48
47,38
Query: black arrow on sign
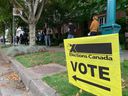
91,83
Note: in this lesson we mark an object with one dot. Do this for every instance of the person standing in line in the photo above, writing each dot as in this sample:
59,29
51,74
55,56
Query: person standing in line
42,37
94,27
47,32
71,30
18,32
47,37
21,39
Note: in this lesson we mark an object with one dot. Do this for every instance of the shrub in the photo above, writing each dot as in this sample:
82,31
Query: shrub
20,50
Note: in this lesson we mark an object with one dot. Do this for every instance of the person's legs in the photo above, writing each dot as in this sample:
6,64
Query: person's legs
17,40
70,36
93,33
42,39
46,43
49,40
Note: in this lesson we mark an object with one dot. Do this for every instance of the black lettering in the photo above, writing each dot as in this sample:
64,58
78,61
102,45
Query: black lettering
92,67
82,66
73,48
74,66
102,72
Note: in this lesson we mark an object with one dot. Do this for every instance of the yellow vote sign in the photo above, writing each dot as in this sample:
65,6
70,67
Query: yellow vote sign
93,64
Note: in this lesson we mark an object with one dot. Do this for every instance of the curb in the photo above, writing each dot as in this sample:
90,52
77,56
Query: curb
0,93
35,85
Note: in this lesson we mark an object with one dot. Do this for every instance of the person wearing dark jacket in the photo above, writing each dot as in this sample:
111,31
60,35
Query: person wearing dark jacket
71,30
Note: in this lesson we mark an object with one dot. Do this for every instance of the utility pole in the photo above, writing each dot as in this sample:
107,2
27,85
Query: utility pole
13,29
110,27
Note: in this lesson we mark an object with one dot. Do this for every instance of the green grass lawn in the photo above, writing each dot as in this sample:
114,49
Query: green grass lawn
122,46
125,70
41,58
125,76
60,83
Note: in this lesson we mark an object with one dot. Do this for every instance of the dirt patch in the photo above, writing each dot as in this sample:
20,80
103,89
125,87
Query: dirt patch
6,65
124,83
13,76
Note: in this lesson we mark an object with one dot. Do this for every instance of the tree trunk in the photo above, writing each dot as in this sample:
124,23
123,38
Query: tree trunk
10,33
59,31
54,33
32,37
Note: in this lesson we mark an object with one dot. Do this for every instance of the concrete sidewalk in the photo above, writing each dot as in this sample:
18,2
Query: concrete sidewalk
56,49
9,86
125,54
31,77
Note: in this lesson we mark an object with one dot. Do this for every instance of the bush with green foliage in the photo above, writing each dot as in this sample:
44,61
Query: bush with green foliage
20,50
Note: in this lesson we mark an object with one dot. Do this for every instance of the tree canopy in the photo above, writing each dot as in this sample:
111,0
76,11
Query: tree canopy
59,11
55,12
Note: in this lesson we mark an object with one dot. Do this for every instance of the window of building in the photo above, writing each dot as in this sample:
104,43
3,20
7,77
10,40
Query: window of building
102,20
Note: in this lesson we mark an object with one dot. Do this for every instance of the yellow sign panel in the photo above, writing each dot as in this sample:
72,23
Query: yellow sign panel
93,64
